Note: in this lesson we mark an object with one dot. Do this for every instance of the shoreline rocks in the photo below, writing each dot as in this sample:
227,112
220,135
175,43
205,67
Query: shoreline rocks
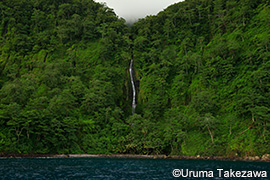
265,157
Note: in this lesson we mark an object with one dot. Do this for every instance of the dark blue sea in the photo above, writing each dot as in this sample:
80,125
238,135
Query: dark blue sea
124,169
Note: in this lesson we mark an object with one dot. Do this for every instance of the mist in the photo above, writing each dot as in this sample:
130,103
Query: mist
132,10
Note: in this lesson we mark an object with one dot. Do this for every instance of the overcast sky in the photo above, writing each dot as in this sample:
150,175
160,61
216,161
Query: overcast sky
131,10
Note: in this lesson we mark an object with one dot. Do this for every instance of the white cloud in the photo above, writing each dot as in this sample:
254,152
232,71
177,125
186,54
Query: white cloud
132,10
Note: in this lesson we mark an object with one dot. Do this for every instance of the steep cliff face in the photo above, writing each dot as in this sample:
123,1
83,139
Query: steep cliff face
200,70
203,69
62,74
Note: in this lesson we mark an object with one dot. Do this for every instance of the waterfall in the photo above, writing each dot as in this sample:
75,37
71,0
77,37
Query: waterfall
133,87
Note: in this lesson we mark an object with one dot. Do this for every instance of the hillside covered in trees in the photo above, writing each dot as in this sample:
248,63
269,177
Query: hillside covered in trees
201,67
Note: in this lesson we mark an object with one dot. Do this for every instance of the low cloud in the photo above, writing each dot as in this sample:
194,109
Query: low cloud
132,10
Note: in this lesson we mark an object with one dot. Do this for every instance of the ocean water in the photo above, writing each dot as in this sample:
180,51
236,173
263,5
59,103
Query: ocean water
122,169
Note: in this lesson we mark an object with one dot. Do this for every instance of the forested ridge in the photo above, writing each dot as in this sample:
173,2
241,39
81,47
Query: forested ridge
201,69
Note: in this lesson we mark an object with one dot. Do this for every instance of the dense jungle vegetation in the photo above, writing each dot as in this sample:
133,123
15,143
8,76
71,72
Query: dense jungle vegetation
202,71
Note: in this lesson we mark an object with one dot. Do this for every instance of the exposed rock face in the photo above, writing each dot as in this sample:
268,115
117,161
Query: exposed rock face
255,158
266,157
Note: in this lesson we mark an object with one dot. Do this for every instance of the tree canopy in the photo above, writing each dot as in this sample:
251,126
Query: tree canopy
201,69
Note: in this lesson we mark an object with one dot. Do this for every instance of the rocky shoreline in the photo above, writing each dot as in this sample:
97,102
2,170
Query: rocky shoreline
265,157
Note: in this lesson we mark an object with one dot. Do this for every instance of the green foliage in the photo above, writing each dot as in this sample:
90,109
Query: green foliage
201,70
206,62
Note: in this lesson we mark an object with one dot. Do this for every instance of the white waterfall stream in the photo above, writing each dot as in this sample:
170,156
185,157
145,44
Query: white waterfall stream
133,87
